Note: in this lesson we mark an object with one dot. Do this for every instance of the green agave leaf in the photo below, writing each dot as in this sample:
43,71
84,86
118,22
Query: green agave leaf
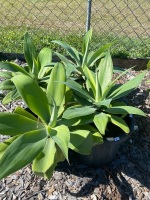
13,67
45,163
7,75
85,47
10,96
45,159
54,115
22,151
125,110
15,94
98,54
127,87
122,74
105,103
118,121
78,111
25,113
6,85
4,145
82,101
15,124
72,51
7,99
59,157
98,95
77,121
90,76
97,138
61,136
29,50
33,96
66,101
55,88
34,72
112,87
100,121
105,72
44,79
78,90
118,69
44,58
118,103
70,67
87,127
81,141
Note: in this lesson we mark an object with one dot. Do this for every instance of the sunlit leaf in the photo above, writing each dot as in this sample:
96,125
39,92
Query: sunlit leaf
105,72
44,57
125,110
118,121
61,136
97,138
29,50
54,115
85,46
22,151
6,85
56,89
100,121
15,124
78,111
25,113
98,54
91,78
45,163
72,51
70,67
77,121
127,87
78,90
81,141
13,67
6,75
4,145
33,96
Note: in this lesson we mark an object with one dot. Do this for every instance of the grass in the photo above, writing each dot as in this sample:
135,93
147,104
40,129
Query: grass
126,22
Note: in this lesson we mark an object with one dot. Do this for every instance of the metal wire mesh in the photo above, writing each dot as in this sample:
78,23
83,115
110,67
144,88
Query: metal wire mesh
59,15
119,19
126,18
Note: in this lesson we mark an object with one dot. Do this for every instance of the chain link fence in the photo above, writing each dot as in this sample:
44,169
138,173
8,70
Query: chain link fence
117,20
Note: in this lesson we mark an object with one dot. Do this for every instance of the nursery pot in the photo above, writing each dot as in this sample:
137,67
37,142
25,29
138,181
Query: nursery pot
104,153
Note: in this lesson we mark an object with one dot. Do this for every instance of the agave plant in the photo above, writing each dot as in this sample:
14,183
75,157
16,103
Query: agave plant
35,138
39,136
78,59
98,100
35,68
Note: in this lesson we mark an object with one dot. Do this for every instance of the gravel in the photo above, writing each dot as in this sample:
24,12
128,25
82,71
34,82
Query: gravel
126,178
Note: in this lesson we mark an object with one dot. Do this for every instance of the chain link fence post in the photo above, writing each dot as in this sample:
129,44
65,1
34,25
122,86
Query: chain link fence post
88,20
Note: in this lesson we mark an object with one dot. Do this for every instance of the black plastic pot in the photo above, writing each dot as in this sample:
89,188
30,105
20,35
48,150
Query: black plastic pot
102,154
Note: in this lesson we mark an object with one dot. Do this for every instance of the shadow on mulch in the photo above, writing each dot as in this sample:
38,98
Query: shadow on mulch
123,164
